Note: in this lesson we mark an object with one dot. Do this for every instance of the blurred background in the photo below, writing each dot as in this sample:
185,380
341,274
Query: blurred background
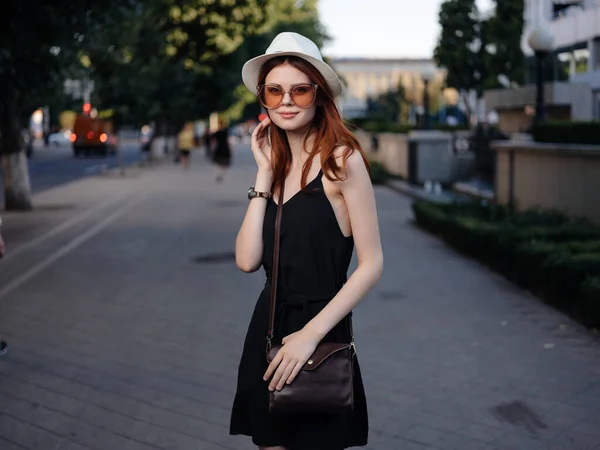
119,296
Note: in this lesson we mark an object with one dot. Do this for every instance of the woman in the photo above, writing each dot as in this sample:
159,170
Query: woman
329,207
222,152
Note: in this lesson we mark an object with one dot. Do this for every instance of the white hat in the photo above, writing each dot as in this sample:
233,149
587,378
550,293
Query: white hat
294,44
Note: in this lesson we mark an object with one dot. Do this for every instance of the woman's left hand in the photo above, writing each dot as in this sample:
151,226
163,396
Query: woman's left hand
297,348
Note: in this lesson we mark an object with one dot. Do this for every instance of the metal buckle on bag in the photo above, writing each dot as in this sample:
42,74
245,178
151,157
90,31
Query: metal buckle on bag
269,343
353,348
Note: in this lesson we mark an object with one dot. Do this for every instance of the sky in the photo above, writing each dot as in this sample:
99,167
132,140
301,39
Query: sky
382,28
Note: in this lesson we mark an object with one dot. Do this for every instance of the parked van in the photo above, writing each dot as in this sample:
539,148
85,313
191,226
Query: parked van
92,136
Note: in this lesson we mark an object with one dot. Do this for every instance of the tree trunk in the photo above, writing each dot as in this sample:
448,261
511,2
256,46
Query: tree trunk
17,188
468,112
15,172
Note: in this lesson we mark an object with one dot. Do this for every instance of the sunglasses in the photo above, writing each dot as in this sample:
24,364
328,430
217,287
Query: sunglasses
271,95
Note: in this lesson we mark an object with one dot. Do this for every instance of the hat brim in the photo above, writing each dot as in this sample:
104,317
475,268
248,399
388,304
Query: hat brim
251,69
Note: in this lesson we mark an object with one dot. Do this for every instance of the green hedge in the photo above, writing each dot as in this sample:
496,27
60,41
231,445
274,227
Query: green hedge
378,173
590,301
382,126
547,252
567,132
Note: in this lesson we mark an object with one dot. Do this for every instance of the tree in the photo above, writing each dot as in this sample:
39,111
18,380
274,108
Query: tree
503,57
168,66
459,45
388,105
171,63
36,44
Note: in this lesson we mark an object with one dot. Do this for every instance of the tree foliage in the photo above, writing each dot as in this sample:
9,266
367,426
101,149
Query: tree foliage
166,61
178,61
167,65
503,56
459,44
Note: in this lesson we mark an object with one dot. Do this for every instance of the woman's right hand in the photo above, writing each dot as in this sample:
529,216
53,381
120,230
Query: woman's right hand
261,149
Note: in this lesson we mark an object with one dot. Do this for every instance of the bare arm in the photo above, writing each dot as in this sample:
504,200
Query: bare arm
249,242
360,201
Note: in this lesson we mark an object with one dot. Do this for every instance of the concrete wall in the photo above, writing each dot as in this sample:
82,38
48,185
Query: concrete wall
434,156
393,153
564,101
517,120
549,176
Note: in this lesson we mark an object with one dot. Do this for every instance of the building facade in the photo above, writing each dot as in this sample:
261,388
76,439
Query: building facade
575,26
366,78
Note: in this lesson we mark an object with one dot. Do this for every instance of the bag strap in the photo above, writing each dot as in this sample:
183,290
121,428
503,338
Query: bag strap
275,268
275,272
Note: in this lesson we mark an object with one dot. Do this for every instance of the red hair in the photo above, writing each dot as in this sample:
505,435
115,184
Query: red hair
327,126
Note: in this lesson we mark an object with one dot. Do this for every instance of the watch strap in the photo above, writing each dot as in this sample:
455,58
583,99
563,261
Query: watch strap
255,194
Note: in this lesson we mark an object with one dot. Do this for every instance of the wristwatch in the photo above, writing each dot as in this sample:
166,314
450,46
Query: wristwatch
253,194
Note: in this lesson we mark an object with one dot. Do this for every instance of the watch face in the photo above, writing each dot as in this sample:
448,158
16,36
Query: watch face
251,193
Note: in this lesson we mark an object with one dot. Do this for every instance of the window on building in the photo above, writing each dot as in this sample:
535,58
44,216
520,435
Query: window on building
563,65
582,58
564,8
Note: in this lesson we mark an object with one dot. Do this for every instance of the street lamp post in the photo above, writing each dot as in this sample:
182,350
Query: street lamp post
427,76
540,41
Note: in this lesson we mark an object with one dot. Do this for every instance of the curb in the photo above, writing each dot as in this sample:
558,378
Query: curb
417,193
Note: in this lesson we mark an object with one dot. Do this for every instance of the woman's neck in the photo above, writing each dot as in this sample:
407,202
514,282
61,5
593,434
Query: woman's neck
299,150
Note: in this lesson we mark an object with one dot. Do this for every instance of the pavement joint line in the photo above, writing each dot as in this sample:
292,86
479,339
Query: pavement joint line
4,439
101,390
122,414
60,228
76,242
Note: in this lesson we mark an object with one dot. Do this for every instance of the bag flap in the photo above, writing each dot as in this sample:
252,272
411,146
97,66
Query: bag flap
322,352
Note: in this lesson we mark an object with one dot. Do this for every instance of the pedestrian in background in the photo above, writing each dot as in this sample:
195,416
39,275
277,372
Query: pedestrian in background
185,144
312,168
207,140
222,151
3,344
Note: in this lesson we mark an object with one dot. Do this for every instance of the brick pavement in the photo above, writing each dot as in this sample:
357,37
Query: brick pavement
128,333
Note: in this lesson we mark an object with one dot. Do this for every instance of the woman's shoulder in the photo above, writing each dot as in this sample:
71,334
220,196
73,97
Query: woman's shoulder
348,158
349,163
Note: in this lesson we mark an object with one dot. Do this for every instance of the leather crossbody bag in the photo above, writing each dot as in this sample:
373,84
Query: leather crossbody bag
325,382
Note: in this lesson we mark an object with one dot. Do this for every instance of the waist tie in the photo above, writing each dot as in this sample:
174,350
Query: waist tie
287,301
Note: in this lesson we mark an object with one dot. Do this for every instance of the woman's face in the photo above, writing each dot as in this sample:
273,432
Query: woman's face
289,116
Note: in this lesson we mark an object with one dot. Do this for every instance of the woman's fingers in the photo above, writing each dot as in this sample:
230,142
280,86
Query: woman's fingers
294,372
286,374
260,145
256,135
259,132
273,366
281,369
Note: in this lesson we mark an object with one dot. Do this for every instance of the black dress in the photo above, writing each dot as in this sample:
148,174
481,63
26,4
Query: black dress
314,258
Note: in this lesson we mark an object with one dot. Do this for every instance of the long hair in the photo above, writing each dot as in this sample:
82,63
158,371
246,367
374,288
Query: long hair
327,128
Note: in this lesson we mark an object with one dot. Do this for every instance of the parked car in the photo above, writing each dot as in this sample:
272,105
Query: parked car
60,138
93,136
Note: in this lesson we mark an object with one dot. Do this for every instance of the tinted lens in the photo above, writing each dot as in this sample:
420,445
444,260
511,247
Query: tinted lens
271,96
303,95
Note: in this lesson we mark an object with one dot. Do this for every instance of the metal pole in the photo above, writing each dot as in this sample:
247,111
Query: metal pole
540,114
426,105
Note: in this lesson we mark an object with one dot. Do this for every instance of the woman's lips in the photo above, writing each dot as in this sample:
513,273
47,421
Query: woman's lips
288,115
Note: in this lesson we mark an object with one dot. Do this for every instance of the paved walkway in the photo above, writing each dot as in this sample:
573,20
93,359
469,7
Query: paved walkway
126,314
